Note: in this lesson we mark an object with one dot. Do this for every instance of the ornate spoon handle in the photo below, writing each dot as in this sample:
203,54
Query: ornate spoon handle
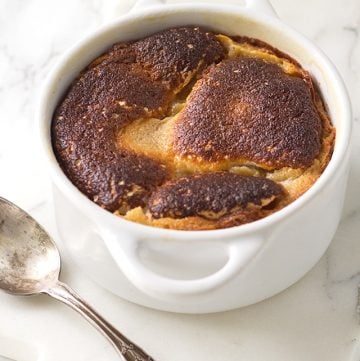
128,350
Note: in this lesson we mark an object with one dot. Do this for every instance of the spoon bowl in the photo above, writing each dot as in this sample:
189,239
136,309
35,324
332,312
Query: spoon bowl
29,259
30,265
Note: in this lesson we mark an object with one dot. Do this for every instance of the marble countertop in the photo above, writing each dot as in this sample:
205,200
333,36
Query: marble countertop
316,319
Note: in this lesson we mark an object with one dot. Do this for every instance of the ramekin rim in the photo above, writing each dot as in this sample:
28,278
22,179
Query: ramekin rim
87,206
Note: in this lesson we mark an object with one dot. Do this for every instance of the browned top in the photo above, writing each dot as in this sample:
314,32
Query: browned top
211,195
194,107
248,108
131,81
172,54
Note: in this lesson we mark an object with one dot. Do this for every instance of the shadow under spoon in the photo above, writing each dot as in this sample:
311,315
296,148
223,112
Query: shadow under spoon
30,265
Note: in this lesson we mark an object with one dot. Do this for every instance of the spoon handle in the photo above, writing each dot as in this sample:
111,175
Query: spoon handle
127,349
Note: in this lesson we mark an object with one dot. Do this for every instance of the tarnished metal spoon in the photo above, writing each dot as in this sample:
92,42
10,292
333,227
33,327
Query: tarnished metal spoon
30,265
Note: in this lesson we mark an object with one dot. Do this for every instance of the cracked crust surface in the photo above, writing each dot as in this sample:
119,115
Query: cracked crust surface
189,129
131,81
249,109
212,195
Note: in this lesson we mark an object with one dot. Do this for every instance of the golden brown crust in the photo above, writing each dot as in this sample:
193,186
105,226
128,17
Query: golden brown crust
197,223
143,122
125,84
249,109
84,130
170,56
212,195
256,43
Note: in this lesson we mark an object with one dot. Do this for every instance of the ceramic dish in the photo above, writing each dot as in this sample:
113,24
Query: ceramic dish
201,271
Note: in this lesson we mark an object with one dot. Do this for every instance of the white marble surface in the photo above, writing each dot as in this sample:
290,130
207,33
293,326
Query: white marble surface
314,320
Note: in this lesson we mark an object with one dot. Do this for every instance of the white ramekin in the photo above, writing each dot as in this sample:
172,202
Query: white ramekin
201,271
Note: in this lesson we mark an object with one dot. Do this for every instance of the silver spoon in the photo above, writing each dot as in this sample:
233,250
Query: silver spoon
30,265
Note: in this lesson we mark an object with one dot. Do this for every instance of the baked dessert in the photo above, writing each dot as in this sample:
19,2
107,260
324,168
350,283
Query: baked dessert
191,129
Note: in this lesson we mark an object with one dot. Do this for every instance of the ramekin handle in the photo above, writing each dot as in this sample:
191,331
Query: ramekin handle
263,6
127,257
141,4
